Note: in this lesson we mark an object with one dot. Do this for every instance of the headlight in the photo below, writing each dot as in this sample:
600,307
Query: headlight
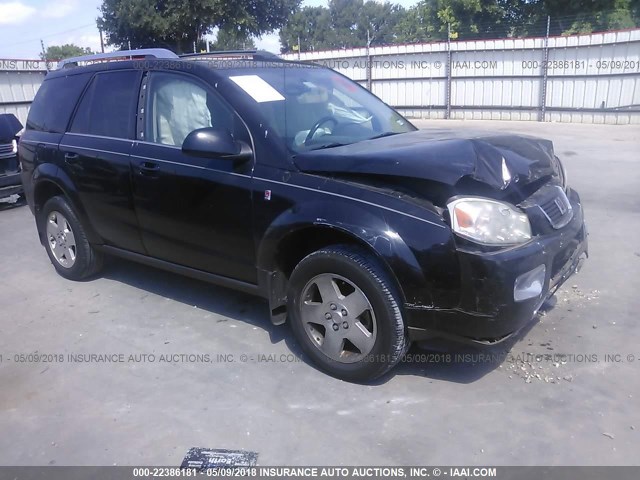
563,173
14,144
488,221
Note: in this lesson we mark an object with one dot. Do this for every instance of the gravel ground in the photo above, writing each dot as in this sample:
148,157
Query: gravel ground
510,405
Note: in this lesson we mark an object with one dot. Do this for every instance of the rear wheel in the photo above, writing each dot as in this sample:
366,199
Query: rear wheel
66,242
345,313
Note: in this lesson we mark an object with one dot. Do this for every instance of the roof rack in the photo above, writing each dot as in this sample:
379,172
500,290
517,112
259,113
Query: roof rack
119,55
254,54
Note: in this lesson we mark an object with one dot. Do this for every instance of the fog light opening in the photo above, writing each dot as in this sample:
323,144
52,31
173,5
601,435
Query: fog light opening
530,284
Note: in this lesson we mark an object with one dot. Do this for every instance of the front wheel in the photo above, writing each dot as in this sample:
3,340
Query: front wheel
345,312
66,241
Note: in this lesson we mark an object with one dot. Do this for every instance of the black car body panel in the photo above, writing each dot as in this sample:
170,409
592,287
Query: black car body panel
423,155
486,309
10,180
245,223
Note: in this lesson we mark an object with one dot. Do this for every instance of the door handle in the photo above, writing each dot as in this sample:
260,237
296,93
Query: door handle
71,158
149,169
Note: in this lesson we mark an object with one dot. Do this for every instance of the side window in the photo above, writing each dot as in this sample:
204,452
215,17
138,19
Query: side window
177,105
54,103
108,108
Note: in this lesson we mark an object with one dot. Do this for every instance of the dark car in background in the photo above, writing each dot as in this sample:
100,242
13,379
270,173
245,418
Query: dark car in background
290,181
10,179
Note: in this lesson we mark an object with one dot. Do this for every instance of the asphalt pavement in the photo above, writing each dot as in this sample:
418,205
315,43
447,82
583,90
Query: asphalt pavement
138,365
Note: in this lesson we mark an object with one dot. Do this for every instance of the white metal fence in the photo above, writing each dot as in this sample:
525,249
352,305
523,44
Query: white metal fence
583,78
19,82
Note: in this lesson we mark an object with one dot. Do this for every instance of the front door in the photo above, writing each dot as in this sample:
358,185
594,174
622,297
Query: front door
192,211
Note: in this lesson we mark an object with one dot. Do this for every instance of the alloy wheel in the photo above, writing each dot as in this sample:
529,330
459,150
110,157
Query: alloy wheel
338,318
61,239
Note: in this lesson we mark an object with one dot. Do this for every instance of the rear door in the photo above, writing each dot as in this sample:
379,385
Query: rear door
96,151
192,211
49,116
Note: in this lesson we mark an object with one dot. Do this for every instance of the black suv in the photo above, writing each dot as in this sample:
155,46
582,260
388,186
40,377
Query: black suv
10,183
292,182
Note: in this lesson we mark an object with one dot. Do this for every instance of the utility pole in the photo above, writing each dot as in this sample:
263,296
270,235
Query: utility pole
545,72
299,47
101,41
44,55
369,69
447,113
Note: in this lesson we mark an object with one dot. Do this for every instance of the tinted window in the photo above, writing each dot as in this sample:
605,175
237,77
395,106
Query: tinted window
108,107
177,105
54,103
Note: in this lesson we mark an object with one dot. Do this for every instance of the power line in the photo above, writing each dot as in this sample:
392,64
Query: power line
22,42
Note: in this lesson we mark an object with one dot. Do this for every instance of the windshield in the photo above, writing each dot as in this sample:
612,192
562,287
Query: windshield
312,108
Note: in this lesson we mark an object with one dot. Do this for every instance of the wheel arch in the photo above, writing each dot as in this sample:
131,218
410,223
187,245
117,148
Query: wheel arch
295,234
49,182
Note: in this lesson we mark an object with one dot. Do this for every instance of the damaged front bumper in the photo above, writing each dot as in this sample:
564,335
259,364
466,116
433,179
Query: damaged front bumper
502,291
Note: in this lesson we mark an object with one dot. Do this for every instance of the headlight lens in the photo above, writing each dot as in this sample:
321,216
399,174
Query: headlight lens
563,173
489,221
14,144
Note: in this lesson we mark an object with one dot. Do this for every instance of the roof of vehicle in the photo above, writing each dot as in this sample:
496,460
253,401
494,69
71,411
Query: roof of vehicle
127,58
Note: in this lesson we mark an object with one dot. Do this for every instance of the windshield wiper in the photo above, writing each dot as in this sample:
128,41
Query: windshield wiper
329,145
384,134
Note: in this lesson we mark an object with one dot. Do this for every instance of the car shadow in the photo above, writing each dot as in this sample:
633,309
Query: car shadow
436,359
442,359
446,360
214,299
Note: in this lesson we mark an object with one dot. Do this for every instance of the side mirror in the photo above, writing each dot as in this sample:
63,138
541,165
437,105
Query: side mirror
213,143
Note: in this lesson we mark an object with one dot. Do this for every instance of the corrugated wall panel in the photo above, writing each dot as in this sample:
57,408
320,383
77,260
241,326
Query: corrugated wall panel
17,90
489,78
504,78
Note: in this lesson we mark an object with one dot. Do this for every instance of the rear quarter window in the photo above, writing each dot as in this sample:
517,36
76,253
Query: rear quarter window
54,103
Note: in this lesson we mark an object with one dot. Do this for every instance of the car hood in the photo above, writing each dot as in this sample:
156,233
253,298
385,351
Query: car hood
9,127
498,160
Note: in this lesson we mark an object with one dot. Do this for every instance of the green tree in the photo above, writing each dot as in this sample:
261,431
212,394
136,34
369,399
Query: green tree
68,50
429,20
344,24
529,17
379,21
586,16
177,24
232,39
344,21
312,26
352,19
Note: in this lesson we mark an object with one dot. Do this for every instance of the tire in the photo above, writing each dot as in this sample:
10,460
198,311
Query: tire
66,242
329,327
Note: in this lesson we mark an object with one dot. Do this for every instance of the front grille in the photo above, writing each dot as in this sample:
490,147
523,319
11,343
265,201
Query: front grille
557,209
8,160
6,150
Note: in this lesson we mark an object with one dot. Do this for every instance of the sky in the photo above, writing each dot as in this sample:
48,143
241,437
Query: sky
23,23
